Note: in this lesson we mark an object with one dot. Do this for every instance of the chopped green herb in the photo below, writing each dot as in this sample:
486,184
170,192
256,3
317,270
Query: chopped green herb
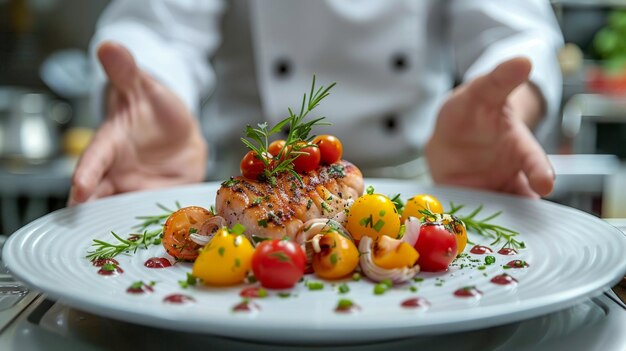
356,276
281,256
262,292
337,170
229,183
237,262
189,281
344,304
418,279
283,295
221,251
136,285
380,289
490,260
367,221
237,229
482,268
315,285
382,213
309,203
379,225
387,282
413,288
369,190
262,223
109,267
344,288
333,258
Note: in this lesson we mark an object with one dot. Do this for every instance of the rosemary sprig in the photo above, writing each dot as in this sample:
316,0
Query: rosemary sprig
142,238
297,138
485,228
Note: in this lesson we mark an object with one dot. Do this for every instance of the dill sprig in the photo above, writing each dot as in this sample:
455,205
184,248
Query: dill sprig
142,238
297,138
485,228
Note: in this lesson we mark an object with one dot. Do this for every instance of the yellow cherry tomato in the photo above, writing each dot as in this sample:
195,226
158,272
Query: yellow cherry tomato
225,260
459,231
373,215
393,253
337,258
420,202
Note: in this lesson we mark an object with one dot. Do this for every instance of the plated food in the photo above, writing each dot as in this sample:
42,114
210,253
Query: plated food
299,209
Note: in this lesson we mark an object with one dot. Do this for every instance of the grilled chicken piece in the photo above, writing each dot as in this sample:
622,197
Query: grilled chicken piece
281,210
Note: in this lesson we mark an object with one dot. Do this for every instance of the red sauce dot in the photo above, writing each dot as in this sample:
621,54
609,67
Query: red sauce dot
415,302
503,279
102,261
140,290
178,299
115,271
347,309
253,292
480,250
246,306
517,264
157,262
468,291
507,251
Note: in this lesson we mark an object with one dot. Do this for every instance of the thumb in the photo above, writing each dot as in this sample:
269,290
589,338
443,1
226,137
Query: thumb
495,86
119,65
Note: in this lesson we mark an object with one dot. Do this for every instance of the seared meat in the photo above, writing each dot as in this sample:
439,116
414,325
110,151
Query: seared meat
280,210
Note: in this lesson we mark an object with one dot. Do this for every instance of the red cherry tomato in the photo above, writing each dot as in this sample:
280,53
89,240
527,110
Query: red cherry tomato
252,166
437,247
330,147
308,161
278,264
275,147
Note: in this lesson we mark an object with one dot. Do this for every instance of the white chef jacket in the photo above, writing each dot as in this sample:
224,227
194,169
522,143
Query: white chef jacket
394,62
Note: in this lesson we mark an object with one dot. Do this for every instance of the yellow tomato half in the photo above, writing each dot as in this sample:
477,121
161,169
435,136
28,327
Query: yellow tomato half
373,215
421,202
338,256
393,253
225,260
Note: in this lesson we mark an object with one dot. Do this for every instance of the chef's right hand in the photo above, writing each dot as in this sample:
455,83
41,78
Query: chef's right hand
148,139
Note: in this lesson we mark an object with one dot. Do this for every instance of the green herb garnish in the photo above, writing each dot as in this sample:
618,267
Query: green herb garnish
257,139
141,239
485,228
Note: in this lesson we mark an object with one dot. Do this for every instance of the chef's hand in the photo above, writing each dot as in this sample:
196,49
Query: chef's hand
149,138
481,138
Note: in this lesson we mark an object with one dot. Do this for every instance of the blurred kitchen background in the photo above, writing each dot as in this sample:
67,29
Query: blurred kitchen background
45,119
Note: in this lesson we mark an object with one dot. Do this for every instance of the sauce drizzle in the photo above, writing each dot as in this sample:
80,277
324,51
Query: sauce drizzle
468,291
517,264
503,279
415,302
480,250
178,299
157,262
507,251
246,306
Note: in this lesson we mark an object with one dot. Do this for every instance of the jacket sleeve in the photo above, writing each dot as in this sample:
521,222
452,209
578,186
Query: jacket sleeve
487,32
170,39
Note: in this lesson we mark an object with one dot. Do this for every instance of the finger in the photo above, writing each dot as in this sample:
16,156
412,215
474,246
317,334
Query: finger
535,164
93,164
520,186
119,65
495,87
103,189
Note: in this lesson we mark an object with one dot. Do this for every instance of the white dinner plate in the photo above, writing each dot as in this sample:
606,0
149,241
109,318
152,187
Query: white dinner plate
572,255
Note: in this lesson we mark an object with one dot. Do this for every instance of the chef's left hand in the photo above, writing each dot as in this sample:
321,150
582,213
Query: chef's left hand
481,138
